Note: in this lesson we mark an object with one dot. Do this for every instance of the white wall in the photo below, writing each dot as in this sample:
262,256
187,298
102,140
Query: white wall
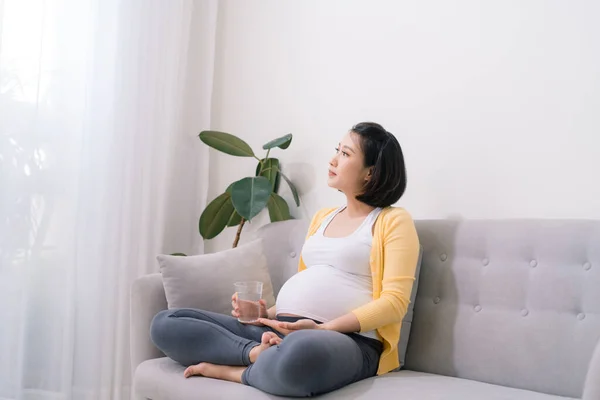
496,104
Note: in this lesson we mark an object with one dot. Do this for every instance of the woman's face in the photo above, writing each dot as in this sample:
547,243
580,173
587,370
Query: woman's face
347,172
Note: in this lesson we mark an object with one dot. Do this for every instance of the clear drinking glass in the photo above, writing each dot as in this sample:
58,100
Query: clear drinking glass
249,293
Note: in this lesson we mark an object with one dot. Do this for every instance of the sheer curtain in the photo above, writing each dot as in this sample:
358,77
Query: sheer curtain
101,102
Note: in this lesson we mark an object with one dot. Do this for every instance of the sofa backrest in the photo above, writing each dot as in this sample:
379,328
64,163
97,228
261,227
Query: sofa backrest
282,243
509,302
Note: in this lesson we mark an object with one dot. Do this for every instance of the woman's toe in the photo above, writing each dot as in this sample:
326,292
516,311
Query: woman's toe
193,370
268,338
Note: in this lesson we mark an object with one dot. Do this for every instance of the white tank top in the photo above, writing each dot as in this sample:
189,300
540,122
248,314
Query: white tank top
338,275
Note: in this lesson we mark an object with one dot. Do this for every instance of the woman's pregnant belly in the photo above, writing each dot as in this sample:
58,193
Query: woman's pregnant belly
323,293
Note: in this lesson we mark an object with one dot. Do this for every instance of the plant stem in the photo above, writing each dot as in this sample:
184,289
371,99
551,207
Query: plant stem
239,231
243,221
261,164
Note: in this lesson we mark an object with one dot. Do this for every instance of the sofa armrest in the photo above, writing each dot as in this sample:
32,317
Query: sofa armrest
591,389
147,299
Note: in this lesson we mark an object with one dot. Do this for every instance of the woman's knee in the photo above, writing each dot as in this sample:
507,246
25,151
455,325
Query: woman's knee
303,353
300,373
303,365
159,329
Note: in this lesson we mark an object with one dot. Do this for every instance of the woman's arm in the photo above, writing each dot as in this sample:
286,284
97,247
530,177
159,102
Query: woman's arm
344,324
401,252
400,256
347,323
271,313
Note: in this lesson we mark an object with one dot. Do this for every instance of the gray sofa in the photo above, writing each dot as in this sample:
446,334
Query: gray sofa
504,309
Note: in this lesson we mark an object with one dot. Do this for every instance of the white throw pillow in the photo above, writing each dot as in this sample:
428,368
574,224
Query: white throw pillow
206,281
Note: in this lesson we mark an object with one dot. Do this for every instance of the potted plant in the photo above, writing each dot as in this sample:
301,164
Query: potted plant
246,198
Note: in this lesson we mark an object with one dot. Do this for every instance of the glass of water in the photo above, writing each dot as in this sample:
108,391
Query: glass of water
249,293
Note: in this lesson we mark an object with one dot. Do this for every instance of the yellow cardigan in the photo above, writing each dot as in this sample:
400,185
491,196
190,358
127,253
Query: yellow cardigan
394,256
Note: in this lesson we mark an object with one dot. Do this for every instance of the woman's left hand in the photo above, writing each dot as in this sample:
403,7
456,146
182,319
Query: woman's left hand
285,328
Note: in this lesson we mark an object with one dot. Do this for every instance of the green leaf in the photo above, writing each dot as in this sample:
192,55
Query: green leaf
270,171
278,208
250,196
226,143
179,254
292,188
216,216
235,219
282,142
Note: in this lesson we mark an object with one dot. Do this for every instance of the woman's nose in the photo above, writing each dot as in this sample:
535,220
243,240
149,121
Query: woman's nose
333,161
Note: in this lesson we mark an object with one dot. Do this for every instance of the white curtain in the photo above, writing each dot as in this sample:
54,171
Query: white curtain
101,169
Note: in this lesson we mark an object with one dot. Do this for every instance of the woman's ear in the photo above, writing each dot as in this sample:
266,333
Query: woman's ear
369,174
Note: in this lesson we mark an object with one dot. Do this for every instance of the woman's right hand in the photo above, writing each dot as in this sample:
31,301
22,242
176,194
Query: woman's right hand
237,304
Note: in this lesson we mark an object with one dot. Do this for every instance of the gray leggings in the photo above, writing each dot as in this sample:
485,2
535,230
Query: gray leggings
306,363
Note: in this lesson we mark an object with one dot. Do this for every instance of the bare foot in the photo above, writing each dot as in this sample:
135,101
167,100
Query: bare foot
225,372
268,339
231,373
192,370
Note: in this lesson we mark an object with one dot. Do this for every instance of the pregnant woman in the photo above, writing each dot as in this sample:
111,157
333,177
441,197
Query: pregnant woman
337,320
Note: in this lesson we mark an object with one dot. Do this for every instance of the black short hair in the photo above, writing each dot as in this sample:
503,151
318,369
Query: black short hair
382,152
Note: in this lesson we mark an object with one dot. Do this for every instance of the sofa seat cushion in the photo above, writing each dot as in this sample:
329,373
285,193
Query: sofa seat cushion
411,385
162,379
